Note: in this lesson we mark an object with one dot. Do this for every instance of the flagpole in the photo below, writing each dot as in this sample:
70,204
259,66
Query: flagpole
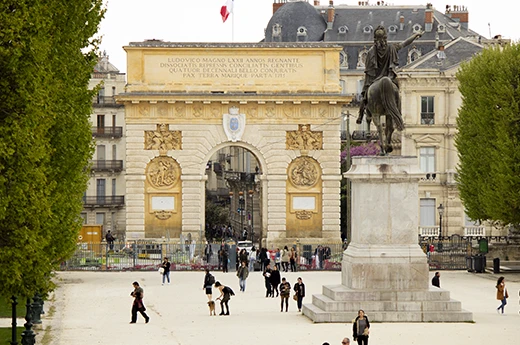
233,22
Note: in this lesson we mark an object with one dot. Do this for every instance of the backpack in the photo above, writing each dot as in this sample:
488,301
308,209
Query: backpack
211,279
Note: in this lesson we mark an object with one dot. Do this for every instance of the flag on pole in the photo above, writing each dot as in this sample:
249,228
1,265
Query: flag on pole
226,10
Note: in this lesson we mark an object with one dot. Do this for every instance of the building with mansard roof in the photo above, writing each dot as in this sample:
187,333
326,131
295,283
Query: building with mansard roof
429,88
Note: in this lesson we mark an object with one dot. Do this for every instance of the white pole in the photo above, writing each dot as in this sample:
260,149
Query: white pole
233,22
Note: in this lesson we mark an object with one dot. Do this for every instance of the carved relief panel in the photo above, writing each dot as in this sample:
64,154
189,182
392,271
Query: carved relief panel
304,190
163,198
304,139
162,139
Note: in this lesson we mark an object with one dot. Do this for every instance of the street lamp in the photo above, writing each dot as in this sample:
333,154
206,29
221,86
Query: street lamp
441,213
241,203
230,207
251,193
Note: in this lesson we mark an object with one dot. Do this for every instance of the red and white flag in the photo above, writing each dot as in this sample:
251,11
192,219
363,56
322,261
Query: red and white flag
226,10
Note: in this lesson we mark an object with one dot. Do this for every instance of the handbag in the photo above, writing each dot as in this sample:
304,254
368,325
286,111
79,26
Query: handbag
295,297
161,270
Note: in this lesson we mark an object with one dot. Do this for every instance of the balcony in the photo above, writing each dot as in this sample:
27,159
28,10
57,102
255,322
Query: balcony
113,201
474,231
107,165
427,118
107,132
359,135
105,101
429,231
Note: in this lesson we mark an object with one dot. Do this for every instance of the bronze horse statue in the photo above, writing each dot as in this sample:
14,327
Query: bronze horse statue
383,100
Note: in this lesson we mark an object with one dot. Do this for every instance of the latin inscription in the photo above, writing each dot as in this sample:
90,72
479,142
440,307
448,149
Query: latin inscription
232,67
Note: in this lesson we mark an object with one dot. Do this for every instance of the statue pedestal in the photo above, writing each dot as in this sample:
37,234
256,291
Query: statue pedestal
384,270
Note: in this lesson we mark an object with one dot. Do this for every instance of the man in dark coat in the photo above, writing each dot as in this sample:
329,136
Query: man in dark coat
436,280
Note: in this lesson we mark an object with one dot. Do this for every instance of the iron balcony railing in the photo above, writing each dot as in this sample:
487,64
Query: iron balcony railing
104,201
427,118
107,165
107,132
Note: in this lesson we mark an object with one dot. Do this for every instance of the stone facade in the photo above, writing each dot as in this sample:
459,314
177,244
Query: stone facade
282,103
104,202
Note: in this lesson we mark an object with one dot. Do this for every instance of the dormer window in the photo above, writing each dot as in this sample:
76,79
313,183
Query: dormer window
343,29
392,29
368,29
277,30
441,28
416,28
343,59
413,54
302,31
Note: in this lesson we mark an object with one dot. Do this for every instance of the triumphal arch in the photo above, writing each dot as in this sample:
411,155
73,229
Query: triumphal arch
281,102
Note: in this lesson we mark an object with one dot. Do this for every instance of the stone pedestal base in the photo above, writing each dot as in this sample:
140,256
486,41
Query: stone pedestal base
384,271
341,304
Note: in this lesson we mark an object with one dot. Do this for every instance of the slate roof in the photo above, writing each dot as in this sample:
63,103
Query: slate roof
293,15
457,51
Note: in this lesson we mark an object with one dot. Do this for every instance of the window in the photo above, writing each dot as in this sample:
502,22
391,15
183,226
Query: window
100,218
427,159
427,110
101,121
343,29
101,152
114,187
100,191
427,212
84,217
114,152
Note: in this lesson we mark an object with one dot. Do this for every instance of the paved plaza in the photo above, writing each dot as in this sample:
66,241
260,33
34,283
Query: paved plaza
94,308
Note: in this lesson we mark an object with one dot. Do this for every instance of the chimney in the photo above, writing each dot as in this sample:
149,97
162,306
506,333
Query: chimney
428,18
401,23
330,14
460,14
277,4
316,2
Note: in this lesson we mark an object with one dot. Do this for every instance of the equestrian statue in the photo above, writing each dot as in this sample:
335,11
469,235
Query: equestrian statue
380,95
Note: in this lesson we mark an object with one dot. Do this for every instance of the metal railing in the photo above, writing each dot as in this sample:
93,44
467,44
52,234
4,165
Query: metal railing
107,165
104,201
140,255
427,118
107,132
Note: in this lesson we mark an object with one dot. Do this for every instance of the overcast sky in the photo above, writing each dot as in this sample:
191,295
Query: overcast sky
200,21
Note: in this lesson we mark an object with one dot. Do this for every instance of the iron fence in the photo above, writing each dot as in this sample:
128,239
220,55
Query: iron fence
143,255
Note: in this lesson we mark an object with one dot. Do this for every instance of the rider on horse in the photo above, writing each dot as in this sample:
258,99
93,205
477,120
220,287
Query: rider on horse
381,61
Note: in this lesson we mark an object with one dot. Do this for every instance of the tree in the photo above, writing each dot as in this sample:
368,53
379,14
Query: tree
47,54
488,139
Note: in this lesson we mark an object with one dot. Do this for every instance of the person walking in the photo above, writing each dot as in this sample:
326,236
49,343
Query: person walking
252,259
242,274
285,293
502,294
137,305
361,328
285,259
225,296
436,280
208,252
224,254
292,259
277,258
110,240
166,270
243,256
345,341
299,289
267,278
209,280
275,281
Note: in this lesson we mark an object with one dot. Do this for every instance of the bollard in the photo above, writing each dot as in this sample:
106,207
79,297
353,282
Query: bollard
28,336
